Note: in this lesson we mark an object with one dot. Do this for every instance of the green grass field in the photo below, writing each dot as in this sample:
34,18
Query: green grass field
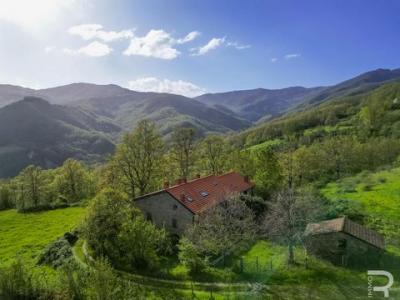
379,192
26,235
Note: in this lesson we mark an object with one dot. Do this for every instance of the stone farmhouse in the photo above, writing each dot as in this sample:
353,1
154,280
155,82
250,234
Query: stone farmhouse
175,207
344,242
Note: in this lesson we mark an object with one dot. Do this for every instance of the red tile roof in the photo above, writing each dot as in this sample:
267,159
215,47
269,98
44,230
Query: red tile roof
345,225
200,194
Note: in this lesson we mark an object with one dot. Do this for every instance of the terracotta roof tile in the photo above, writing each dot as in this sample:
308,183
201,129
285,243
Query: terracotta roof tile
200,194
347,226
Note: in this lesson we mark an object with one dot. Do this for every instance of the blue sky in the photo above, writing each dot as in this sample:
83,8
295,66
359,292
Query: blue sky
191,47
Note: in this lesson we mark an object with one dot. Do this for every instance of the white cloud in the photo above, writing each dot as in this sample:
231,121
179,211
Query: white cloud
238,46
153,84
292,55
212,44
95,31
28,13
274,59
49,49
188,38
157,43
94,49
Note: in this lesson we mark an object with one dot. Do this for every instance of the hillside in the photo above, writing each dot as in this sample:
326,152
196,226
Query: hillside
375,112
259,103
357,85
168,111
126,107
32,131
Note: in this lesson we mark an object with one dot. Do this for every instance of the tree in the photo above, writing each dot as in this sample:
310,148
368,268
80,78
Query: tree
73,181
214,154
268,176
183,149
115,229
31,185
288,214
139,158
190,256
223,229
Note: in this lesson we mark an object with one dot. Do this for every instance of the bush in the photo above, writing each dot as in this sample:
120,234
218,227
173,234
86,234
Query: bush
344,207
59,252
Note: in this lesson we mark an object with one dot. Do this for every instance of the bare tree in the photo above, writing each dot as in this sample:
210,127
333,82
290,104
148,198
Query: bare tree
225,228
288,214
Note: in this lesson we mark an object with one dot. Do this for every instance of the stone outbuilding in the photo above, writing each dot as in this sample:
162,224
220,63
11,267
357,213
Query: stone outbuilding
175,207
344,242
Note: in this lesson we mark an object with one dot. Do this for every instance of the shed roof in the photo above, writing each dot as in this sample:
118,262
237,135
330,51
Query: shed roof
345,225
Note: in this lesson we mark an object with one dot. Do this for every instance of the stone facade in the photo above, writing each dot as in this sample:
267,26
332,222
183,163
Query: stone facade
343,249
165,211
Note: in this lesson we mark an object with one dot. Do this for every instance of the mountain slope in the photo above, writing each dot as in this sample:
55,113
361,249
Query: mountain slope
167,110
357,85
12,93
259,103
33,131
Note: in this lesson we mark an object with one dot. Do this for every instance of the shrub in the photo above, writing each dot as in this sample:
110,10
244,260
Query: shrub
57,253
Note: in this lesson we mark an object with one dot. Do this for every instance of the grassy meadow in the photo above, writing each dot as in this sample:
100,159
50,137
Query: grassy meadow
26,235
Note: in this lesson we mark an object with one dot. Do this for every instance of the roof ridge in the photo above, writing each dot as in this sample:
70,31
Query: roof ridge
189,181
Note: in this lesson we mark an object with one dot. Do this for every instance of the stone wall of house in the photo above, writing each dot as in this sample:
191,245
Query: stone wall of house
343,249
165,211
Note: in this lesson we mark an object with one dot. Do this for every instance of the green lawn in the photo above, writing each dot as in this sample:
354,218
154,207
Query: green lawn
25,235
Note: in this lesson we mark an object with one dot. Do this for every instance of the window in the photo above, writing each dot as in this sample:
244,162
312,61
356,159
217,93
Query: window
149,217
204,194
174,223
175,207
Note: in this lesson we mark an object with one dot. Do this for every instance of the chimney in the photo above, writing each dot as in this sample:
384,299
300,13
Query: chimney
166,184
246,179
182,197
197,175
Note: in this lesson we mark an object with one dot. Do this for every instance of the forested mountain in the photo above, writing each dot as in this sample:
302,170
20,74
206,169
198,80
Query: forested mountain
39,130
12,93
126,107
375,112
259,103
357,85
166,110
33,131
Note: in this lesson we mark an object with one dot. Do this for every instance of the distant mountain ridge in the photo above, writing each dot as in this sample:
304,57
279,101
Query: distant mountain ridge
84,120
33,131
259,103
